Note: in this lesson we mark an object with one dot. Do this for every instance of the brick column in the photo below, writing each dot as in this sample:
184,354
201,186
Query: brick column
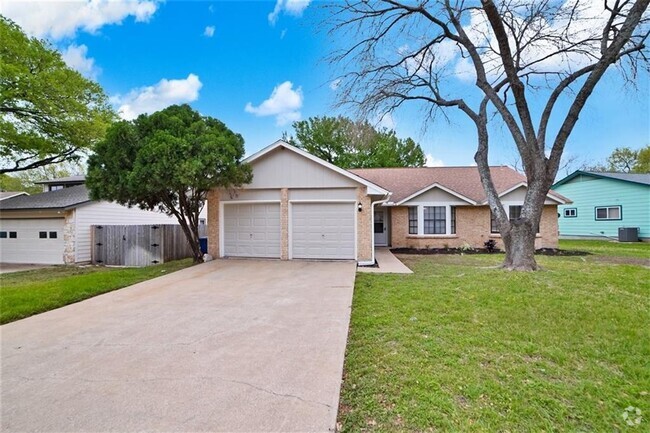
69,235
213,223
284,224
364,226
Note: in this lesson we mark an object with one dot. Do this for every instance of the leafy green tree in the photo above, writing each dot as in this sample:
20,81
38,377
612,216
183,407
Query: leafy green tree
168,161
622,159
13,183
642,164
355,144
48,112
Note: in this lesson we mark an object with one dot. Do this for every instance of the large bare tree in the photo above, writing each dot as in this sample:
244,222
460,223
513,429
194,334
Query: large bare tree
518,63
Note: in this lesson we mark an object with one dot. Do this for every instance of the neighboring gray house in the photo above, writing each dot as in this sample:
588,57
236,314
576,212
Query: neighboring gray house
54,227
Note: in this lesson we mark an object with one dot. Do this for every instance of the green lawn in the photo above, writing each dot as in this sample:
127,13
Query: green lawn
463,346
609,248
23,294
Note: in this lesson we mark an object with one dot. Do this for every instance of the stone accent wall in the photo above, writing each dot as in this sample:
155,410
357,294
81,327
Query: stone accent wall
472,227
284,224
213,223
364,226
69,238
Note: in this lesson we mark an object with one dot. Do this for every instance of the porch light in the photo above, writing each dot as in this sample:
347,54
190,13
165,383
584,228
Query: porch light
359,207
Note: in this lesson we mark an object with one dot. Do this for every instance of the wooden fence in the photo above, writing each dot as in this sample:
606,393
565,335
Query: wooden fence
138,245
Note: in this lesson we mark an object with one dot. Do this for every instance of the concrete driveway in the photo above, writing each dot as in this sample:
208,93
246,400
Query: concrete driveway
6,268
233,345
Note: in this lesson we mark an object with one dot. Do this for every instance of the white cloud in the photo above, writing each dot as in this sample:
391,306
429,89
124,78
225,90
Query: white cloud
209,31
386,121
76,56
61,19
431,161
161,95
283,33
290,7
284,103
334,85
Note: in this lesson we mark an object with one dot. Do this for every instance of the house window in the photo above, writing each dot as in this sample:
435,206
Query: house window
570,212
609,213
494,226
435,220
453,219
514,212
13,235
413,220
42,235
3,235
55,187
53,235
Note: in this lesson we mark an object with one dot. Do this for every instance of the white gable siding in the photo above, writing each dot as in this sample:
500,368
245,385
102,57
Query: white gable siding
103,212
323,194
248,194
436,195
518,195
286,169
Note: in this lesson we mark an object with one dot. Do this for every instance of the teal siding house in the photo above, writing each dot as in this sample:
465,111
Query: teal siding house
603,202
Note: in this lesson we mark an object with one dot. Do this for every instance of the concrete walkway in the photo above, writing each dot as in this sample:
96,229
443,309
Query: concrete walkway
231,345
6,268
387,263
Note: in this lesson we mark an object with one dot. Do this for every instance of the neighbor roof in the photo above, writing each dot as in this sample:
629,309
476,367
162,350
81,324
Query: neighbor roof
60,199
68,179
8,194
641,178
463,181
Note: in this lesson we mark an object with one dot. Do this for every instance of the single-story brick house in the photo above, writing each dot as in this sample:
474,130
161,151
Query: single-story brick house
301,207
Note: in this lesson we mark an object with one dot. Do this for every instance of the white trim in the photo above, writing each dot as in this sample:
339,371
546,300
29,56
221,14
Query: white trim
222,218
385,223
436,185
372,234
347,200
373,189
525,185
14,195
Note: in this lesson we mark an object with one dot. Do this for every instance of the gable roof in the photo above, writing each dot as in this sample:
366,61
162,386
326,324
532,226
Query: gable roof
60,199
4,195
463,182
640,178
373,189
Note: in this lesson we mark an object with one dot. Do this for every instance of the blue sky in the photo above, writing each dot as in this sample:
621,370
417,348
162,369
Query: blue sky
227,58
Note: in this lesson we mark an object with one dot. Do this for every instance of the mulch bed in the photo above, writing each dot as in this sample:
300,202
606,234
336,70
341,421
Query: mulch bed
457,251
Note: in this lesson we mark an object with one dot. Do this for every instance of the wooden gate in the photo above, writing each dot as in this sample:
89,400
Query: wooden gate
138,245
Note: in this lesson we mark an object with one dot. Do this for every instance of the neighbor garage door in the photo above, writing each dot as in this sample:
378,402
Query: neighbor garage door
252,230
31,241
323,230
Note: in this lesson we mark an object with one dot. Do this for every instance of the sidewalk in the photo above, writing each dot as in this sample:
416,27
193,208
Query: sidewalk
387,263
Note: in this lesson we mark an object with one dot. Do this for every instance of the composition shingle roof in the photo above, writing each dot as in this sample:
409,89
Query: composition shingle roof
643,178
8,194
60,199
404,182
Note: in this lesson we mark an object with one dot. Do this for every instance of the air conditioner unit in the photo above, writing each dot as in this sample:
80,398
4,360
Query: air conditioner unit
628,234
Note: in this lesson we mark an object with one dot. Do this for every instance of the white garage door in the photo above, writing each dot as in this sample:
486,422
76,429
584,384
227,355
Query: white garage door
31,241
323,230
252,230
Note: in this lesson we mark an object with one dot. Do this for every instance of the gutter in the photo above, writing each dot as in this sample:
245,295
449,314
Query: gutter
372,219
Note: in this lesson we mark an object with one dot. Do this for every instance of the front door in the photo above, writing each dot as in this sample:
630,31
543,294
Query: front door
381,233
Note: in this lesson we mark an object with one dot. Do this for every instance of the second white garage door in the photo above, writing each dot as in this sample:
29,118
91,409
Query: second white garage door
323,231
252,230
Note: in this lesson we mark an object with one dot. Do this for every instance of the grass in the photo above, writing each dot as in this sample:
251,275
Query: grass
23,294
462,346
609,248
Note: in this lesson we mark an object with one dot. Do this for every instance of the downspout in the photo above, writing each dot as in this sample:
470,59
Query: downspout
372,219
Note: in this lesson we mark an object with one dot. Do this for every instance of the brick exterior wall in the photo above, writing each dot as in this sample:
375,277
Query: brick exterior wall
472,227
69,238
364,226
213,223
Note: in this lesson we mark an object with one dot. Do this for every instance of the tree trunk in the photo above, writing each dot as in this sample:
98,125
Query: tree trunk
519,243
